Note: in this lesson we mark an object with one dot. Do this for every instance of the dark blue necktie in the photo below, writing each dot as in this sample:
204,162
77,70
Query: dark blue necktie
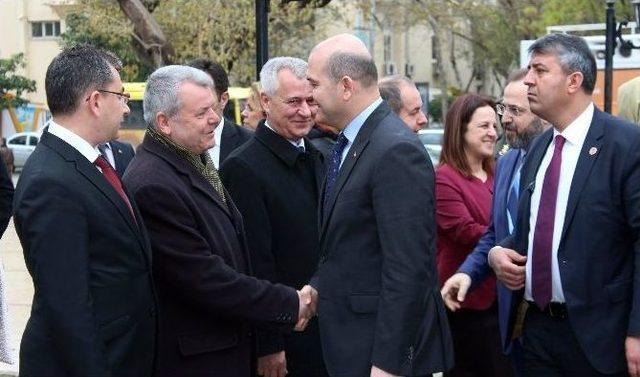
514,195
334,165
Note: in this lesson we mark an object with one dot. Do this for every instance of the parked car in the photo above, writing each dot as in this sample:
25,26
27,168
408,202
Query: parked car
432,139
22,145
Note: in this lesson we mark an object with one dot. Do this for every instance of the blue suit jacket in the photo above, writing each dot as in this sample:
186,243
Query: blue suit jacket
476,264
599,251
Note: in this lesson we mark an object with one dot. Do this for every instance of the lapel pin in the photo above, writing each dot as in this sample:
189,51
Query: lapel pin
593,151
355,154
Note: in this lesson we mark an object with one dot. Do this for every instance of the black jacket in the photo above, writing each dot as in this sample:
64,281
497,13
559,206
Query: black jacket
276,189
93,310
207,303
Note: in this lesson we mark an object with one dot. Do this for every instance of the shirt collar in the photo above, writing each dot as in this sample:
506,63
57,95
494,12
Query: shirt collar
90,152
352,129
217,132
576,131
297,144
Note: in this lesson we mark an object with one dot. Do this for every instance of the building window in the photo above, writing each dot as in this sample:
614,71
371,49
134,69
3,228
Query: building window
45,29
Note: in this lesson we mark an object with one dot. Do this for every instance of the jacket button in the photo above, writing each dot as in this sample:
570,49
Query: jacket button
152,311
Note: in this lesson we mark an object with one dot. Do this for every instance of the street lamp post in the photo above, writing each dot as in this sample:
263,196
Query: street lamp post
610,45
262,35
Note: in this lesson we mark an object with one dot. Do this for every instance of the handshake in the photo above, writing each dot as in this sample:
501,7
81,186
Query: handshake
308,298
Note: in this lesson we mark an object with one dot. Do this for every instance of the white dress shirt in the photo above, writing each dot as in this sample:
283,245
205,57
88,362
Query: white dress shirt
76,142
108,151
575,135
217,137
353,128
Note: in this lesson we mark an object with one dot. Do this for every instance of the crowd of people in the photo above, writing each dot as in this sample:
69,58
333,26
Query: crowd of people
318,239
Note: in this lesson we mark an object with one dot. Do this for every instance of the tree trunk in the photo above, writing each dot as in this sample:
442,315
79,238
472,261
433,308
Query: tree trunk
152,46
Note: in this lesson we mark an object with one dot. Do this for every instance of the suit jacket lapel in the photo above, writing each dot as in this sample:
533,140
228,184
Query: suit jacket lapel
227,140
117,157
359,144
583,167
184,167
93,175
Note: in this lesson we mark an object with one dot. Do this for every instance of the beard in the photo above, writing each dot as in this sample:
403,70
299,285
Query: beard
523,140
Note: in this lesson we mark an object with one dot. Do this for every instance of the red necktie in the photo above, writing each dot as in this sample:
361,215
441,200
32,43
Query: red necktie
543,236
112,177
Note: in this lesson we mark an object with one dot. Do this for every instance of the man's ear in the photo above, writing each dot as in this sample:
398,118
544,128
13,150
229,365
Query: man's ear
162,123
93,103
347,87
224,98
574,82
265,101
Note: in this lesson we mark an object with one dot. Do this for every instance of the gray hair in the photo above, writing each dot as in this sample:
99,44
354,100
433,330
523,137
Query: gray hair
390,90
161,91
572,52
517,75
270,70
359,67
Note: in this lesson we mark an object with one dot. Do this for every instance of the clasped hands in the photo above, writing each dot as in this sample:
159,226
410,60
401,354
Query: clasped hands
308,298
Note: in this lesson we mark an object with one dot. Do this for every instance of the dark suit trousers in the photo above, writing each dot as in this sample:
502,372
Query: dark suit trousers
476,342
552,350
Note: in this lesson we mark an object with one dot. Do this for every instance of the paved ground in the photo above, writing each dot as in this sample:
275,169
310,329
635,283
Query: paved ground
19,291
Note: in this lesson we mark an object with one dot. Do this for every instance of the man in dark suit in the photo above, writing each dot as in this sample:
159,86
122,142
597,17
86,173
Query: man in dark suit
118,154
380,309
228,135
274,179
521,126
208,303
84,244
572,261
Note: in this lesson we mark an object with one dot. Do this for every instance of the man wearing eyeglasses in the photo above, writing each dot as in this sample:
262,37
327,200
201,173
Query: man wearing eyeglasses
521,126
88,254
274,179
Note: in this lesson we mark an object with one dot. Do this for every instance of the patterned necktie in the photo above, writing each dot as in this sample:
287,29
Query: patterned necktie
112,177
334,165
514,195
543,236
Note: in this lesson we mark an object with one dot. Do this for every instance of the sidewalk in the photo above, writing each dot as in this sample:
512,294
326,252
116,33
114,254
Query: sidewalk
19,291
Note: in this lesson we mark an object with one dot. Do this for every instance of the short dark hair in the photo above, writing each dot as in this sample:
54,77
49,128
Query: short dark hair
455,126
75,71
215,70
390,90
573,53
359,67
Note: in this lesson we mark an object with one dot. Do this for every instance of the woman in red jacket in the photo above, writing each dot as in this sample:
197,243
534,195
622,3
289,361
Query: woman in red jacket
464,192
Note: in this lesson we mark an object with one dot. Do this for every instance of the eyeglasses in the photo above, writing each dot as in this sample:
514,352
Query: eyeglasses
124,97
511,109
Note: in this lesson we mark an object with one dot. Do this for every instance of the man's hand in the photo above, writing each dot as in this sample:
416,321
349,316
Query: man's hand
455,290
509,267
308,298
377,372
632,348
274,365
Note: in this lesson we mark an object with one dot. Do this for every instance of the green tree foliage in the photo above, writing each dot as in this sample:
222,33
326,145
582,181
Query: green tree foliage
221,30
12,85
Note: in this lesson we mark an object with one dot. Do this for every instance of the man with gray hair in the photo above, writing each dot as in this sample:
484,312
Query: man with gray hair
208,302
572,264
380,309
404,99
274,179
